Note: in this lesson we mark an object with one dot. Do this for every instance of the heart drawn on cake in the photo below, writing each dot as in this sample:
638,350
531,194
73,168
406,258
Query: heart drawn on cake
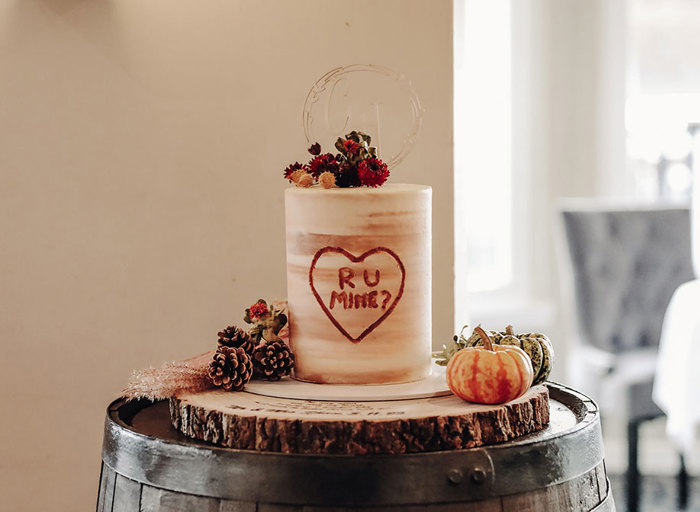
357,293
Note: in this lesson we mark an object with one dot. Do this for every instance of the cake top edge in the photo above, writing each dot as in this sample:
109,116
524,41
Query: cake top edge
389,188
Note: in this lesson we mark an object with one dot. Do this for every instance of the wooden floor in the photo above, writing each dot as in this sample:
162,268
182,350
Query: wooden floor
657,456
658,463
658,494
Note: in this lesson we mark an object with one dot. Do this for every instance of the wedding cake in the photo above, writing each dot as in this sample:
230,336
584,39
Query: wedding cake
358,283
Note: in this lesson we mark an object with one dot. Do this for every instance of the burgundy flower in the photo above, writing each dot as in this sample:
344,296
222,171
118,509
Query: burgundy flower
347,176
315,149
323,163
351,147
291,169
372,172
258,310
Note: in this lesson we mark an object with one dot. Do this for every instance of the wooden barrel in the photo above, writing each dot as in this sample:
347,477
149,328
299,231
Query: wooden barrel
149,466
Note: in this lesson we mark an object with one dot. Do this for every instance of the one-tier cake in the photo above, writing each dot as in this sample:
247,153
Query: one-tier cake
359,283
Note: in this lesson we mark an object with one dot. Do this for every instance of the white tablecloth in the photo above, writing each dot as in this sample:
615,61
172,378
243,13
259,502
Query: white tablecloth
677,383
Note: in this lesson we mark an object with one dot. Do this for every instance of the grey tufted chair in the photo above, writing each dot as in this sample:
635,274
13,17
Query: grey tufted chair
625,265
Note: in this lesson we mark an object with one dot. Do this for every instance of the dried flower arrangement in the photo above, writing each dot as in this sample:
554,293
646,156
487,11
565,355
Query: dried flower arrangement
355,165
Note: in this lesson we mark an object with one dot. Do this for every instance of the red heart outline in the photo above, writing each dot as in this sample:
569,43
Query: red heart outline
356,259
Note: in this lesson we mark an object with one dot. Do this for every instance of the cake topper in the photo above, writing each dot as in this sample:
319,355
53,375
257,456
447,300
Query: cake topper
374,102
368,98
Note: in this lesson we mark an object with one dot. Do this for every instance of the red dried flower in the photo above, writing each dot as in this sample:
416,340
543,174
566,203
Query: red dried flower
258,310
372,172
351,147
292,169
323,163
315,149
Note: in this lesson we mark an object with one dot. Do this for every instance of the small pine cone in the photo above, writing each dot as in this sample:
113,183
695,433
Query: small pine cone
233,337
272,360
231,368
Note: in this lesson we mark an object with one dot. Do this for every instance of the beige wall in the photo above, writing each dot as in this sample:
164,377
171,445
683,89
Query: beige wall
141,144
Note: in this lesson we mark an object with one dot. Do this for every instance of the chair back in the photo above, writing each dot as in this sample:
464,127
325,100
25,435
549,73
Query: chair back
695,221
626,264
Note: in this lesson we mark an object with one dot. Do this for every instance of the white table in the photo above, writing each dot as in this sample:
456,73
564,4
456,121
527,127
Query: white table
677,383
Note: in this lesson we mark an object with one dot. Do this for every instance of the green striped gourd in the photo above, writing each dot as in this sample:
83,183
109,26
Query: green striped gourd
536,345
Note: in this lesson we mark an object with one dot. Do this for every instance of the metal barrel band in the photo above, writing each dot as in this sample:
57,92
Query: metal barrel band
344,480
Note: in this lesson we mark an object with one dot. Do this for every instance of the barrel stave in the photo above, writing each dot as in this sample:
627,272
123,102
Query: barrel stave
105,494
127,494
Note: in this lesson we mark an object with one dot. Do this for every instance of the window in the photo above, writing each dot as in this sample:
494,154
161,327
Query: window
483,176
662,111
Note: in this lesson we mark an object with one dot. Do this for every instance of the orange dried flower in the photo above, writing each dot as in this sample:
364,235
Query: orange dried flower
291,169
327,180
305,180
296,175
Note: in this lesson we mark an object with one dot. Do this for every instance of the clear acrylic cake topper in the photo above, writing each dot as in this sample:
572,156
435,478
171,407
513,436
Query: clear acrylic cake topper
363,98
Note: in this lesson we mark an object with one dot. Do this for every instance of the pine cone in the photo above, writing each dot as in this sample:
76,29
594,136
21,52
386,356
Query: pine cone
233,337
272,360
231,368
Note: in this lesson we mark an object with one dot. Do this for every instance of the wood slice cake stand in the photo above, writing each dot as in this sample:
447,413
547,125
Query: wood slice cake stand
250,421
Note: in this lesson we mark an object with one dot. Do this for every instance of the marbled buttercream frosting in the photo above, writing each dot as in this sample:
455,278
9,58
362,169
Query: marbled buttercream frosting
359,283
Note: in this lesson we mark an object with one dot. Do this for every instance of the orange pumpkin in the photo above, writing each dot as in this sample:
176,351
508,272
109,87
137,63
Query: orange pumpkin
492,374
